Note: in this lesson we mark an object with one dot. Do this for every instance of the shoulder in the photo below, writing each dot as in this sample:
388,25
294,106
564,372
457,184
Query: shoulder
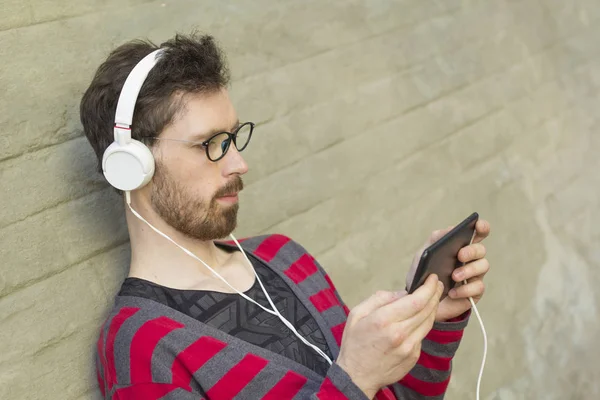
137,335
133,312
132,319
277,246
272,247
282,253
279,251
288,256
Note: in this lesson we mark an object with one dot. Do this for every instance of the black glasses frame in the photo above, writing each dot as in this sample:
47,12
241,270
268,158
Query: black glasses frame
231,136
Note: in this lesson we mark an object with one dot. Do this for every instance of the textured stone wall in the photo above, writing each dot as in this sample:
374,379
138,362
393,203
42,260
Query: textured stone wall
379,121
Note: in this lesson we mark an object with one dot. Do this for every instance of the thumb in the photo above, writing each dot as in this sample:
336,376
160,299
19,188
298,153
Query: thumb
376,301
434,237
437,235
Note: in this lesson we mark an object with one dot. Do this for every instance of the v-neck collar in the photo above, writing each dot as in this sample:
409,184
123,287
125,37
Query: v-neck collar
325,328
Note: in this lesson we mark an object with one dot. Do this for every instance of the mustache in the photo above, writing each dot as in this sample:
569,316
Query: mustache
233,186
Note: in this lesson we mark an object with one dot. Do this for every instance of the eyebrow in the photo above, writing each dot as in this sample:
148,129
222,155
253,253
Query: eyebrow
201,137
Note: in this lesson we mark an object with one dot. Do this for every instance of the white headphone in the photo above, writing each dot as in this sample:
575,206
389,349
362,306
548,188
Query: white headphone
127,163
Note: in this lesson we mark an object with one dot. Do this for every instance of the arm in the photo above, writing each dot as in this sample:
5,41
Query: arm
430,377
338,385
155,391
143,377
144,390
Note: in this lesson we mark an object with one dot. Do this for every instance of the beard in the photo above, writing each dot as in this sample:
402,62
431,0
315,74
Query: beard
190,215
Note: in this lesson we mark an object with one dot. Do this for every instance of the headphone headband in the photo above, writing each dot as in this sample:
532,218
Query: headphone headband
128,164
129,94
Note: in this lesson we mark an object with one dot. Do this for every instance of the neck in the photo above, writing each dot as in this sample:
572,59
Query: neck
156,259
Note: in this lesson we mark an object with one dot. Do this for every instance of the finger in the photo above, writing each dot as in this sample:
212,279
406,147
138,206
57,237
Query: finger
472,252
474,288
409,305
415,336
437,235
425,327
415,321
477,268
376,301
482,230
434,237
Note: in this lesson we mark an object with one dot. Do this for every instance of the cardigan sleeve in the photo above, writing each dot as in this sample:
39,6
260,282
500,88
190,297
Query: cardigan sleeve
131,364
338,385
155,391
429,378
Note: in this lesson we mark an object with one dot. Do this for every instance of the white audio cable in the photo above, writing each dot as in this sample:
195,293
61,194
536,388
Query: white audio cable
275,311
484,344
474,307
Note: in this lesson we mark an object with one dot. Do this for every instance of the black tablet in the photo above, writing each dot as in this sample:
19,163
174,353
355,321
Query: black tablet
441,258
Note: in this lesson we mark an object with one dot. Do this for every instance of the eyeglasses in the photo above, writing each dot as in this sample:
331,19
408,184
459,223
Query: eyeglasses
217,145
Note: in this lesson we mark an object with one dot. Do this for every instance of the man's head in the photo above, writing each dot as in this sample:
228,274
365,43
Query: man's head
183,102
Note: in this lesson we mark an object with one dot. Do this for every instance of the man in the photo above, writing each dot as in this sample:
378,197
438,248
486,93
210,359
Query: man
177,331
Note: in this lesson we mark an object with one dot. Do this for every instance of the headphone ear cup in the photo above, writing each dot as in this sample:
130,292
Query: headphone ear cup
128,167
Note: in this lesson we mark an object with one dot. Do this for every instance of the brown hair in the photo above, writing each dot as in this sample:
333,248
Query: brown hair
189,64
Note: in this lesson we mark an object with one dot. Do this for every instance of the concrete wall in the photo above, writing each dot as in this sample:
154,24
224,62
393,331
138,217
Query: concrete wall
380,121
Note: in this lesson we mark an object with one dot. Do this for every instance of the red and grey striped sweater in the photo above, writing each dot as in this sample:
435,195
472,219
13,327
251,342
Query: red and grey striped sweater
148,351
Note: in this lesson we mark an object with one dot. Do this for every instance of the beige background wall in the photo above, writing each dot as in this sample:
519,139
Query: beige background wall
380,121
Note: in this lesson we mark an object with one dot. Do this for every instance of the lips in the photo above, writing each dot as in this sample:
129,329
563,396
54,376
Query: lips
228,195
231,189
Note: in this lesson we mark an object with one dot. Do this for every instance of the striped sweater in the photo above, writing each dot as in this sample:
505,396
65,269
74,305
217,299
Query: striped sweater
148,351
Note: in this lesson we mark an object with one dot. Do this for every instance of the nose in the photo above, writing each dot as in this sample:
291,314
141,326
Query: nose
233,162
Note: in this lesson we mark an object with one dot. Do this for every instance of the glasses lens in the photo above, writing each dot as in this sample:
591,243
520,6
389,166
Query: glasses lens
243,136
217,146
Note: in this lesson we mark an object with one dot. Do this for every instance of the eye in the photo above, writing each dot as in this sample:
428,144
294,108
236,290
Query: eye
214,143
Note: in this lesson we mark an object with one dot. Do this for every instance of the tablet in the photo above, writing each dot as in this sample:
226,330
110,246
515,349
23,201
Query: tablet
441,258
